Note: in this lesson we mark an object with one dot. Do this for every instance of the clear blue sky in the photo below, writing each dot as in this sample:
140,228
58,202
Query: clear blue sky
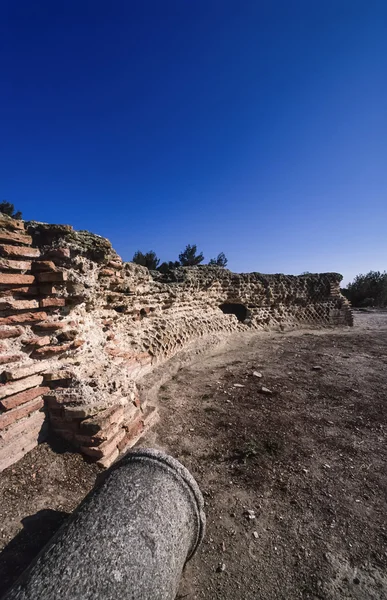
257,128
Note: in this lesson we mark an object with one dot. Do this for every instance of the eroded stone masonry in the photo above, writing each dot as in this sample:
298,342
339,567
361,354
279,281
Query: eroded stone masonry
79,327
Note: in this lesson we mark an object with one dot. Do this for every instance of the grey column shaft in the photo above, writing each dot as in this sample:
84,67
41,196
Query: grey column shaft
129,539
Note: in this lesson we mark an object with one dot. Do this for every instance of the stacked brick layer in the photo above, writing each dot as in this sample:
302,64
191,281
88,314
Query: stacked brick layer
78,328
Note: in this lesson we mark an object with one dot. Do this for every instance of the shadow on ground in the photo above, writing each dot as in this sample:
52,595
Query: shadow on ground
18,554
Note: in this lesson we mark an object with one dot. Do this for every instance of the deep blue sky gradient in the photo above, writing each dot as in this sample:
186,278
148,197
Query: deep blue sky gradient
254,128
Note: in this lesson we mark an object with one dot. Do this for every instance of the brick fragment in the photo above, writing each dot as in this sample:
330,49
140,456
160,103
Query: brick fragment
11,416
105,462
106,273
49,326
10,332
19,251
59,253
24,318
32,369
14,265
52,302
19,237
102,420
58,374
114,264
132,435
47,276
50,350
43,265
12,304
21,427
9,358
106,448
23,397
37,341
98,438
16,279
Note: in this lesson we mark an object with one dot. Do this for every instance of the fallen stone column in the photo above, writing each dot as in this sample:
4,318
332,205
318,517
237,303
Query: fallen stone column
130,537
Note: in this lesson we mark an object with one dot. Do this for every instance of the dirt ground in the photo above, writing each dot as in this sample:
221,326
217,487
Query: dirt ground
308,460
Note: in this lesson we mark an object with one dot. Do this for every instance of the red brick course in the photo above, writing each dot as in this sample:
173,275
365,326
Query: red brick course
50,326
47,302
50,350
19,251
23,397
11,304
14,387
37,341
15,279
15,265
20,237
10,332
24,318
48,276
10,417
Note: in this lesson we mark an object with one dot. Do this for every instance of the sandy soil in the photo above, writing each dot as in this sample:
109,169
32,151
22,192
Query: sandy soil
308,460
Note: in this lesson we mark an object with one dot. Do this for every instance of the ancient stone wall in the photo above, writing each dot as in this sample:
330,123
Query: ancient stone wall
78,328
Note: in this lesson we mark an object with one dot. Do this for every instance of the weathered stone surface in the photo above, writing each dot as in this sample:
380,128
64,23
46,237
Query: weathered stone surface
23,397
19,251
14,387
11,416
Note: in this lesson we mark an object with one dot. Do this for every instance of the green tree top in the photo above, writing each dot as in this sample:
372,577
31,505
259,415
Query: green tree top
149,260
8,209
219,261
189,258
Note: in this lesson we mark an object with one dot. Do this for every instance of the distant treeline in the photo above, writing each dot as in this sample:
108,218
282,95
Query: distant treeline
368,290
189,257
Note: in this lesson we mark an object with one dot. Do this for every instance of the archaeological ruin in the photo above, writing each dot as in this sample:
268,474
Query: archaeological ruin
79,328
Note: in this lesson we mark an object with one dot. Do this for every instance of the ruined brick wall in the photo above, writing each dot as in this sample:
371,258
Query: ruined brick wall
79,327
